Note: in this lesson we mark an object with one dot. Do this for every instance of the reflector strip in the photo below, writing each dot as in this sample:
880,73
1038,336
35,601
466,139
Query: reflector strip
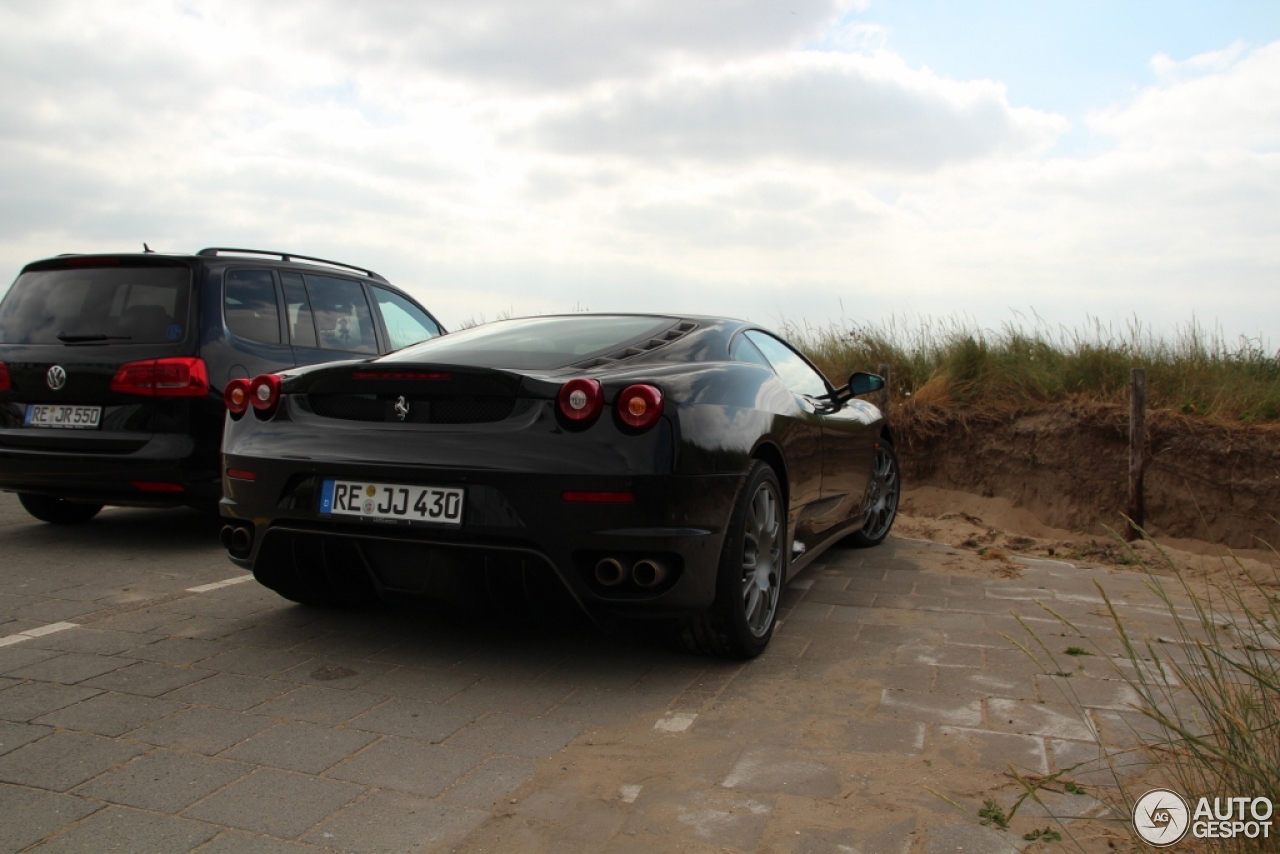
598,497
152,486
241,474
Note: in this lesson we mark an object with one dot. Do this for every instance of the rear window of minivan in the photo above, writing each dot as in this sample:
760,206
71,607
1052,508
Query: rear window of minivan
138,305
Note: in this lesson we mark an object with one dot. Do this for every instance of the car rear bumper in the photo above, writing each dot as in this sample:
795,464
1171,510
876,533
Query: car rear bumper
675,521
152,470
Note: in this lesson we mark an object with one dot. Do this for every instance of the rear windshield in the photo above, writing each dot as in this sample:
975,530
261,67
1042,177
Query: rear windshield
540,343
139,305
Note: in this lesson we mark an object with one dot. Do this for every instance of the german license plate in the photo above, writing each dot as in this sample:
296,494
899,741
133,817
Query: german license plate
57,415
439,504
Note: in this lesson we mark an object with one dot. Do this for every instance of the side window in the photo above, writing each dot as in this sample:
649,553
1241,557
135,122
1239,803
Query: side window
302,329
742,350
249,304
794,371
406,323
343,320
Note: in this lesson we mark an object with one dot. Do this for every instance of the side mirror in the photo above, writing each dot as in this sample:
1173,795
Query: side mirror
860,382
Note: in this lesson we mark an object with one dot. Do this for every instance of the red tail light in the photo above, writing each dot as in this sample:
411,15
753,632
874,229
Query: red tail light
581,399
640,406
398,375
4,377
264,394
180,376
236,396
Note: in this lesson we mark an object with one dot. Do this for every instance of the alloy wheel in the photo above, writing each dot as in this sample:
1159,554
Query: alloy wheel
883,491
761,553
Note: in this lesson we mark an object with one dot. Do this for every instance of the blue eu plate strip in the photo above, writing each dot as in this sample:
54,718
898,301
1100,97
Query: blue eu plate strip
326,497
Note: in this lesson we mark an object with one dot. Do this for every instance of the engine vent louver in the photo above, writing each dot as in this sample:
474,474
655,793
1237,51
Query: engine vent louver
680,330
419,410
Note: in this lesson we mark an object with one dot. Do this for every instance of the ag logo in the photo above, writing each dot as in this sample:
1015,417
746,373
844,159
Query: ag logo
56,378
1161,817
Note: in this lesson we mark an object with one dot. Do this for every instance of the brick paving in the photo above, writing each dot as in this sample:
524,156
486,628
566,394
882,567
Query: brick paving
231,720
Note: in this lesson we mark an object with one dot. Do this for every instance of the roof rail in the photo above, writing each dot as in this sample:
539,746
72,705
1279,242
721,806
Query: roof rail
289,256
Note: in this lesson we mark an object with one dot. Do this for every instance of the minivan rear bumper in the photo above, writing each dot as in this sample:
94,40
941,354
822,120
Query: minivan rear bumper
165,471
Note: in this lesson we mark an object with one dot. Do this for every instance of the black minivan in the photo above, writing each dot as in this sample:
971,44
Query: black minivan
112,366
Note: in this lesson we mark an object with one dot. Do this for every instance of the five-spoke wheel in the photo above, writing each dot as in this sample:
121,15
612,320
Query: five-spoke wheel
753,568
761,549
883,491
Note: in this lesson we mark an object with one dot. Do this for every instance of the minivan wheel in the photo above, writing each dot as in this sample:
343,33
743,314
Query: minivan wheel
58,511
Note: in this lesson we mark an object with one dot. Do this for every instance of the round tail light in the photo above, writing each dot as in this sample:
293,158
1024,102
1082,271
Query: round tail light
581,399
640,406
264,393
236,396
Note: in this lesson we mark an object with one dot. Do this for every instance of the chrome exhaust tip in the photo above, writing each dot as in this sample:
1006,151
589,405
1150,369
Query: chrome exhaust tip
648,572
609,572
241,542
224,536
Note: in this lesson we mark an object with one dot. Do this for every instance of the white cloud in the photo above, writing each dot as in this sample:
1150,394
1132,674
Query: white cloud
537,156
1218,101
546,43
840,108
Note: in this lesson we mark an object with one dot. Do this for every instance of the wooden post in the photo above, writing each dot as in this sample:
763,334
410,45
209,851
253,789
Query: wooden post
883,400
1137,451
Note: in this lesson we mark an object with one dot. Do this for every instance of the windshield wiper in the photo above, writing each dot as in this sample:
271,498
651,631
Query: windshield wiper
67,338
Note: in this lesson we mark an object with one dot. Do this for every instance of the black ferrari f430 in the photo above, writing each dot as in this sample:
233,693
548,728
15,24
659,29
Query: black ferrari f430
674,467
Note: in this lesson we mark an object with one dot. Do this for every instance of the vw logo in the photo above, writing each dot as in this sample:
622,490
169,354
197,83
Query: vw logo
402,408
56,377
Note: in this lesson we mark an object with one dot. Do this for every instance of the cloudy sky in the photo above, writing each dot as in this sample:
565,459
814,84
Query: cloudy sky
783,160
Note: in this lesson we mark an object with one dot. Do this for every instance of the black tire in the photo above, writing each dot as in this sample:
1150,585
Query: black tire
753,568
58,511
883,492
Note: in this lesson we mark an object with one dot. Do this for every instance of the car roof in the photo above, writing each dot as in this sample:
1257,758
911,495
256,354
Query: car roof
272,257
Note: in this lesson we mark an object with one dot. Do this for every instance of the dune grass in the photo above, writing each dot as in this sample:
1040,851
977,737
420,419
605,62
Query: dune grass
1211,691
1194,371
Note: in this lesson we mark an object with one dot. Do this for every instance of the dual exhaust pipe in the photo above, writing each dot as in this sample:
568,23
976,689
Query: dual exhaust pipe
645,573
237,539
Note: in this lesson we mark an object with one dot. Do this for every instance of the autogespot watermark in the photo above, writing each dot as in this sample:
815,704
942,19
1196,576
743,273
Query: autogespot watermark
1162,817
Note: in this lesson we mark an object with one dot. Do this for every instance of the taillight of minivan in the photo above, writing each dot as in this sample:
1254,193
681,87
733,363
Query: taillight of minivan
179,376
4,377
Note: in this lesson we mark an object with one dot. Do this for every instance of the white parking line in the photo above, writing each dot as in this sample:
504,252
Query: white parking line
205,588
676,721
38,631
41,631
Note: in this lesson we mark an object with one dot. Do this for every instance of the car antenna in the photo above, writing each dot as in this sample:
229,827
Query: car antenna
148,249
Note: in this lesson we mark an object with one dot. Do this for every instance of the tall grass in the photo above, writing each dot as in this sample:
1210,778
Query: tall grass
1218,702
1194,371
1211,693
